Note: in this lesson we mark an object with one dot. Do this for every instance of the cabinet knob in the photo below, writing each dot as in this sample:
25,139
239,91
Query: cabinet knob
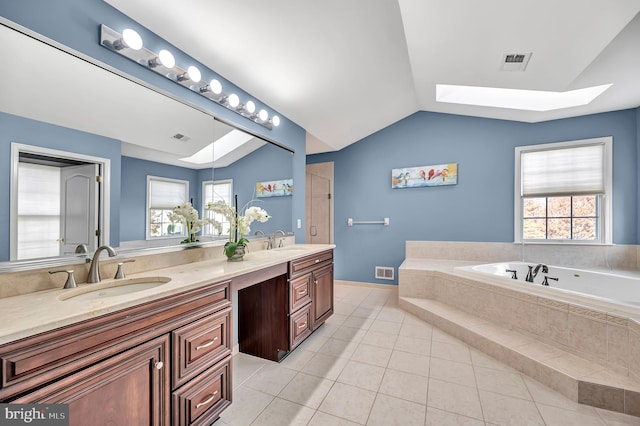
159,365
317,260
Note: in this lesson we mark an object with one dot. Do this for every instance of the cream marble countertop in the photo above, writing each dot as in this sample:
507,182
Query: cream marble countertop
29,314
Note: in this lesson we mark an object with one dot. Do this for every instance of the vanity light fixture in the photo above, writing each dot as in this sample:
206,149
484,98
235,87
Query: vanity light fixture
129,44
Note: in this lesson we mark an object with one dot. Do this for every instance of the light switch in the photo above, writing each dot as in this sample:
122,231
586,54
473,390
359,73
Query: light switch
299,223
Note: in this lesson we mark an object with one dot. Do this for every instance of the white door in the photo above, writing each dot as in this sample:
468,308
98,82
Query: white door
79,198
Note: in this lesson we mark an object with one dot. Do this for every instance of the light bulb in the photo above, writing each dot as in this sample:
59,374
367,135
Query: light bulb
164,58
263,115
250,107
130,38
233,100
275,120
215,86
194,74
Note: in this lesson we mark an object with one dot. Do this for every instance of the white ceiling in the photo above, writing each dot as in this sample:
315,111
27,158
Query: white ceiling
345,69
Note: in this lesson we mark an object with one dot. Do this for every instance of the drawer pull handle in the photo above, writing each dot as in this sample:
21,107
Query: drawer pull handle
159,365
206,345
301,326
302,293
208,400
317,260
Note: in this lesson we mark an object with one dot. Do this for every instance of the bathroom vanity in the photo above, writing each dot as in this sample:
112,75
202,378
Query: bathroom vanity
163,355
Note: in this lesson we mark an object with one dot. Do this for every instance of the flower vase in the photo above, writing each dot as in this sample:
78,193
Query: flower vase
237,255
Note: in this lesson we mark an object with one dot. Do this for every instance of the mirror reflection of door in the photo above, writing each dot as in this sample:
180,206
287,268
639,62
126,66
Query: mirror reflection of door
57,205
318,209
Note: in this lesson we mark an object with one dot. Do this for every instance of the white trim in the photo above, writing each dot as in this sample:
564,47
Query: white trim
605,206
105,197
148,207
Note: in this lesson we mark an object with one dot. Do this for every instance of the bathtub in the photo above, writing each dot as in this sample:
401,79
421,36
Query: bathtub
608,287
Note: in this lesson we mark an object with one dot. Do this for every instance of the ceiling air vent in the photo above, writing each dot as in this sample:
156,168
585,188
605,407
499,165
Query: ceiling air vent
181,137
515,61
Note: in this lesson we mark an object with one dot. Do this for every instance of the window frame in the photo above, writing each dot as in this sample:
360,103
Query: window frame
150,178
604,201
205,201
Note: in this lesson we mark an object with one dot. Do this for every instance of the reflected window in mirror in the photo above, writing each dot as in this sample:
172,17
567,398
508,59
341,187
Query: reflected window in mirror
214,191
163,194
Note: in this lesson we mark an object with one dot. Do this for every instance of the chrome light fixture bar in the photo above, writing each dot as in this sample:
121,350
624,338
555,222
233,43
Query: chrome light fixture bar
130,45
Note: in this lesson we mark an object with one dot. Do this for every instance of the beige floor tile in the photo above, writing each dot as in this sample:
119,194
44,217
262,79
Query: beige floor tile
373,355
358,322
388,410
271,379
554,416
611,418
410,319
325,366
480,359
244,366
344,308
399,384
453,351
442,336
541,394
391,314
336,319
327,330
348,402
502,382
324,419
337,347
505,410
409,363
366,312
313,343
420,331
349,334
362,375
454,398
307,390
296,360
413,345
247,405
436,417
387,327
281,412
377,338
451,371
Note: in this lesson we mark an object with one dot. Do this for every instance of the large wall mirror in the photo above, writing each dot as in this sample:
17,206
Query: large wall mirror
67,124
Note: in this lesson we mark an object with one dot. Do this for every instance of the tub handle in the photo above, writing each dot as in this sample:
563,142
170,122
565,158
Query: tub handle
514,273
546,278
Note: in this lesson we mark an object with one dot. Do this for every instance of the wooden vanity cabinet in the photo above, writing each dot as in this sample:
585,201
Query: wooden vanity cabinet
159,363
277,314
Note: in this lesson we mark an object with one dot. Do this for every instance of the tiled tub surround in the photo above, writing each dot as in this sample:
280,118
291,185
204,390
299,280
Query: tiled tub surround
589,351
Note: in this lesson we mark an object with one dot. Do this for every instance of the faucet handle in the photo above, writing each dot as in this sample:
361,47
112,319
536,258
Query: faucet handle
120,271
546,280
71,281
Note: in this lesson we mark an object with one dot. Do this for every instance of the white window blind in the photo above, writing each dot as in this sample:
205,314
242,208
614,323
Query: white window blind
563,171
165,194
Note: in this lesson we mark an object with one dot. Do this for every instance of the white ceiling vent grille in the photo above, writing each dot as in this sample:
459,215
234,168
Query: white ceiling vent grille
515,61
385,273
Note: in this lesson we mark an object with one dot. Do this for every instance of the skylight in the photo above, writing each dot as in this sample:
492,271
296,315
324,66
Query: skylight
226,144
530,100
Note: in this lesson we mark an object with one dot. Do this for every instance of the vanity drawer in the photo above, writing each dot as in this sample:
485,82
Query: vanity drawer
202,400
299,292
200,344
299,326
299,266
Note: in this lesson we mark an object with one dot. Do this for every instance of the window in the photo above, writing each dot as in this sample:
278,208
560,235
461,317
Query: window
563,192
163,195
212,191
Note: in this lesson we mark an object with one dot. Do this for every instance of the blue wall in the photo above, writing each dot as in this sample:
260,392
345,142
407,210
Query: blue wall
480,206
31,132
75,23
134,192
264,164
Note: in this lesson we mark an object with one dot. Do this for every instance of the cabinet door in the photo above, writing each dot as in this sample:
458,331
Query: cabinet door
322,295
131,388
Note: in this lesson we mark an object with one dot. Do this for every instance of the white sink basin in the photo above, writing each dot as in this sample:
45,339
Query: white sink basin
113,288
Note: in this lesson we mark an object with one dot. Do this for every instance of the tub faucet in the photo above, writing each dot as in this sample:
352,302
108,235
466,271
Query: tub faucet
94,270
534,271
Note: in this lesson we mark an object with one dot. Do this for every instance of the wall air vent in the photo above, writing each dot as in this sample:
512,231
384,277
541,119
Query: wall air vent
385,273
515,61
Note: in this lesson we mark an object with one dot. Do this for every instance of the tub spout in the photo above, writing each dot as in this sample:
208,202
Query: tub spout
534,271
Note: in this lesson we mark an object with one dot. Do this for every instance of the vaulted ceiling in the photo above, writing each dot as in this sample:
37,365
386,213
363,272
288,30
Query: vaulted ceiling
346,69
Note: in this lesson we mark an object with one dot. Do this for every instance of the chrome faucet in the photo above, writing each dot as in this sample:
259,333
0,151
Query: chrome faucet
94,270
534,271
